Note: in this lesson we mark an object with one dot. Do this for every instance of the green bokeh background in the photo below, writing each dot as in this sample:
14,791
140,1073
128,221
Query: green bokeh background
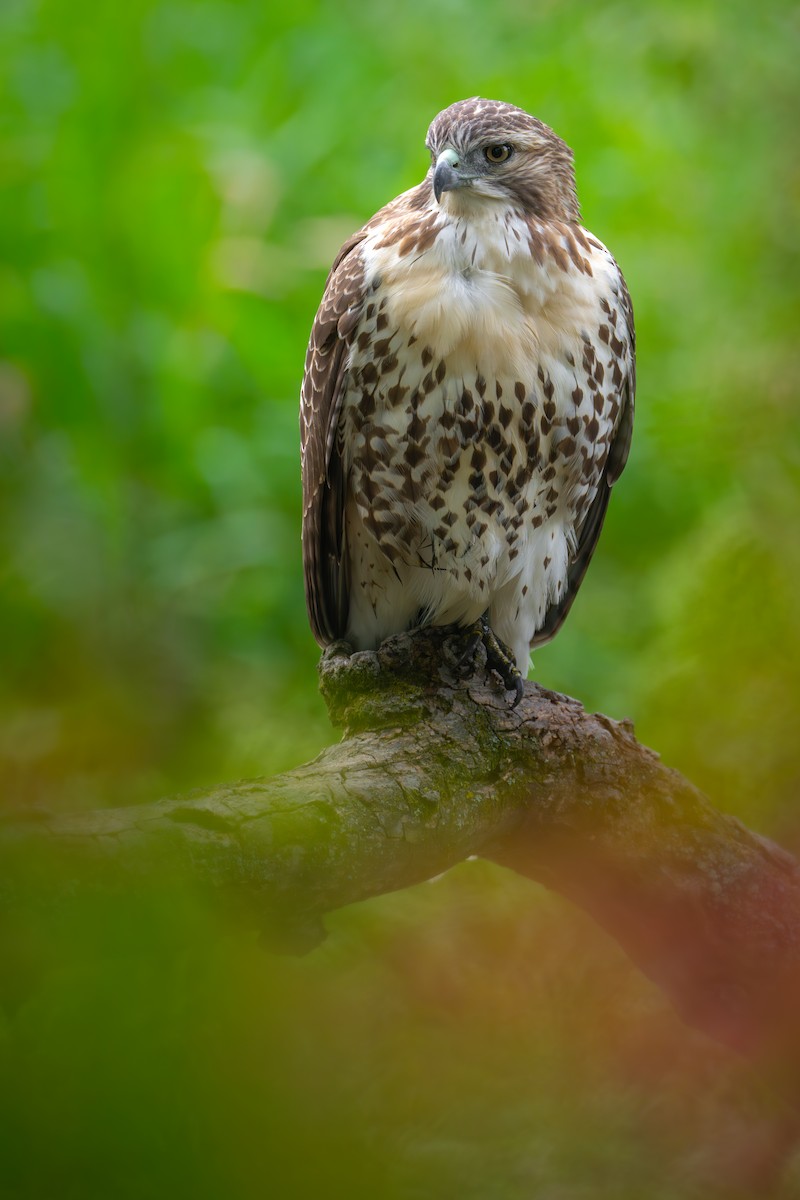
176,178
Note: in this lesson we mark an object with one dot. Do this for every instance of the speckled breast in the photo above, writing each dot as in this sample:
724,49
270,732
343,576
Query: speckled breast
448,468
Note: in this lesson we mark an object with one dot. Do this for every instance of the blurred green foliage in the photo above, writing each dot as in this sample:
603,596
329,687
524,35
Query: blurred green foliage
176,177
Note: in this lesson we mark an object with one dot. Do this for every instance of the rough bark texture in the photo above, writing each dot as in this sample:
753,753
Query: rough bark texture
434,767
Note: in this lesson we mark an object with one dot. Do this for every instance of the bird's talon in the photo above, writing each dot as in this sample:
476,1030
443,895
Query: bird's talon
474,636
499,657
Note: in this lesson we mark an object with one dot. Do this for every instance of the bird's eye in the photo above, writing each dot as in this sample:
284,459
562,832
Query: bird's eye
498,153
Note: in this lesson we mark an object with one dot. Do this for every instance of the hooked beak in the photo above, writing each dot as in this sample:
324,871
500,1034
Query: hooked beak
446,175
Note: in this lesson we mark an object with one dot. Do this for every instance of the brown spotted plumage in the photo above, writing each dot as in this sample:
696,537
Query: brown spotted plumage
468,396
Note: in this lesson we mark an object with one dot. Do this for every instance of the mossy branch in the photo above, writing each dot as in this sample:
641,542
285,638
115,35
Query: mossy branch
434,767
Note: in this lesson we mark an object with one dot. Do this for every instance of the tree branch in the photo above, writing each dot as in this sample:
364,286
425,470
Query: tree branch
433,768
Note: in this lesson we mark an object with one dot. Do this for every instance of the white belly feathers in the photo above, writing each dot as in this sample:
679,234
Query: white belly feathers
471,431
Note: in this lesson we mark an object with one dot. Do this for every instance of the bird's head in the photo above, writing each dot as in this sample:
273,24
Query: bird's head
488,151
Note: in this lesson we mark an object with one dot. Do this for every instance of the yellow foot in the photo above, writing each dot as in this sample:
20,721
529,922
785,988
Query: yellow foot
498,656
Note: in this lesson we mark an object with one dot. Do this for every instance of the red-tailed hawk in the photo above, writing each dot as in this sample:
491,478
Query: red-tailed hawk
468,396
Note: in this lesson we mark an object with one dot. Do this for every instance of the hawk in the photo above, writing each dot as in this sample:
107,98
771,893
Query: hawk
468,395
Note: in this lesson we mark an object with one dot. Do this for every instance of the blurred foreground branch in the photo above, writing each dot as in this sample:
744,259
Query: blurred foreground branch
433,768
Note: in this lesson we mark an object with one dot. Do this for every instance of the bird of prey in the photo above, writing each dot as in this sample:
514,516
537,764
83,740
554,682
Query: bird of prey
468,397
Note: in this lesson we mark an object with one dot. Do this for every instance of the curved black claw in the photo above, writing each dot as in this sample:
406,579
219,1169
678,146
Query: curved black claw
518,689
498,657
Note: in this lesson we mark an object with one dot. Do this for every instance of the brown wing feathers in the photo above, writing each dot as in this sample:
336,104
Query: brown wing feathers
593,522
323,480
